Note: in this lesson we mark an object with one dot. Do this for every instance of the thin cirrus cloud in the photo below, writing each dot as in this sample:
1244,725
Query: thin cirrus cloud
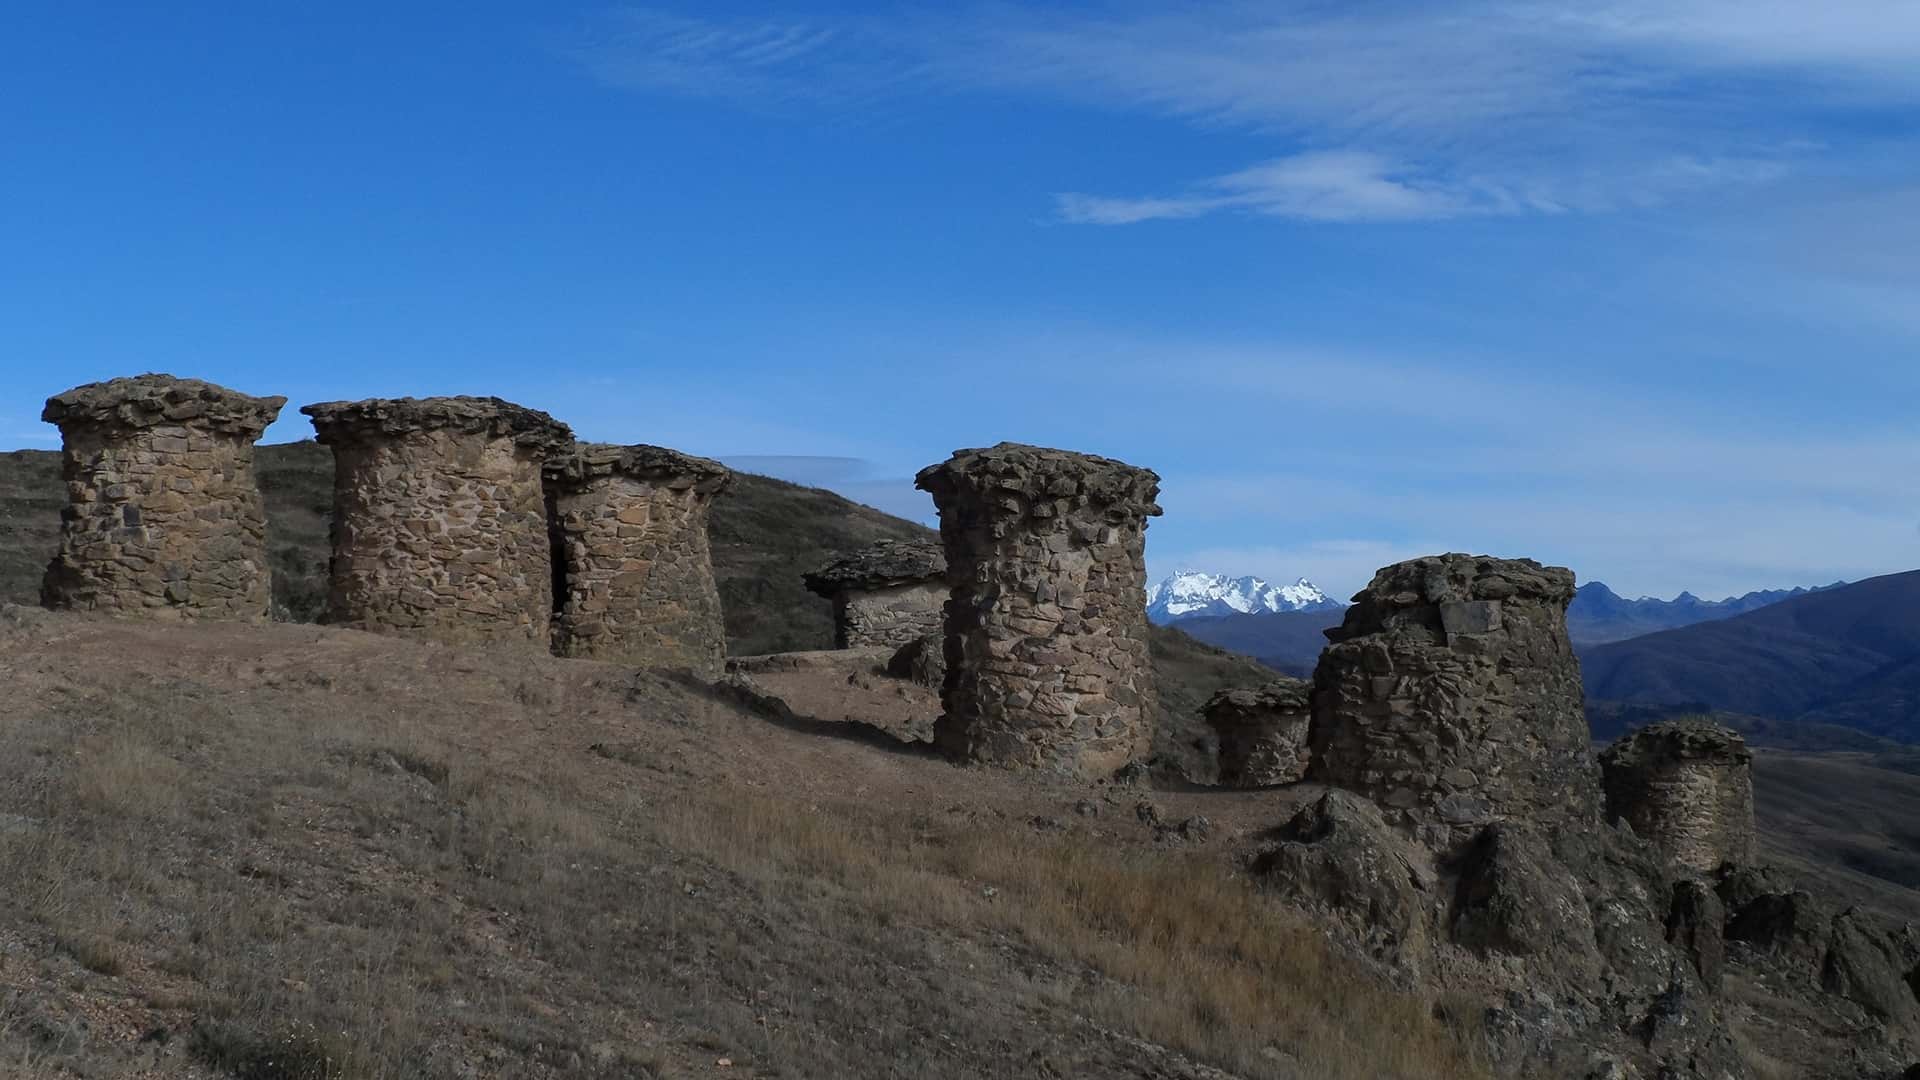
1391,111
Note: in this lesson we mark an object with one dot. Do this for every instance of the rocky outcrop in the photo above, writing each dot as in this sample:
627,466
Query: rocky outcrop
889,593
1450,695
163,515
439,519
1687,786
1341,858
633,569
922,660
1262,732
1046,626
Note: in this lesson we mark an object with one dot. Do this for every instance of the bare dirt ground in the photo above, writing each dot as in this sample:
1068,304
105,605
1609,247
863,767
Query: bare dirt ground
293,852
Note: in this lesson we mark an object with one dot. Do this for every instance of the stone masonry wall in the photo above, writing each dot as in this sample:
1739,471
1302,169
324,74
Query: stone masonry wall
1046,626
630,541
893,615
163,515
1263,732
1452,697
1687,786
439,522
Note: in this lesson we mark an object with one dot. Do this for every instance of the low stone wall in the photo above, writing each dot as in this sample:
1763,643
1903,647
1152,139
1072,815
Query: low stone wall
635,569
1262,731
890,593
163,515
1451,696
1046,628
890,616
439,518
1686,785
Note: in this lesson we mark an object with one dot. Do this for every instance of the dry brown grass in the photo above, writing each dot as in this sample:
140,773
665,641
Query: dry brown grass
308,884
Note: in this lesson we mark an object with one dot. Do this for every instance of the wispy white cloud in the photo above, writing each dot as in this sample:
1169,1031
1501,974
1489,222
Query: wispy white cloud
1392,111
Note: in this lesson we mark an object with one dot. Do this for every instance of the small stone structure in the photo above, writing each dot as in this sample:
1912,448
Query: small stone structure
1686,785
1263,732
439,520
633,570
163,515
889,593
1451,696
1046,627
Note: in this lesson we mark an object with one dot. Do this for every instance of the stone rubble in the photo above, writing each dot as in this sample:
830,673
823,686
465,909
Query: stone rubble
1451,696
164,517
1262,732
439,524
634,571
1687,786
889,593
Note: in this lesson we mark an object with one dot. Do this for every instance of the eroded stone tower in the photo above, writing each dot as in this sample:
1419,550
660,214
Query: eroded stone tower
1686,785
634,570
1263,732
163,514
1046,628
1451,696
889,593
439,520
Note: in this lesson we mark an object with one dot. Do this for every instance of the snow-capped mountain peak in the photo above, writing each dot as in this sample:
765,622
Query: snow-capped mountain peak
1190,593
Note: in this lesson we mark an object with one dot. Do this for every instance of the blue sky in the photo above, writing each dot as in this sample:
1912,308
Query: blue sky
1628,286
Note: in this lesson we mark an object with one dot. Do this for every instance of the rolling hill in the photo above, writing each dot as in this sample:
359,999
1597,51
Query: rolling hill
1848,656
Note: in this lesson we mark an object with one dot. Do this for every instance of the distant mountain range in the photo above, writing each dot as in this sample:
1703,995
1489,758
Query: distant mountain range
1848,655
1192,594
1291,641
1599,615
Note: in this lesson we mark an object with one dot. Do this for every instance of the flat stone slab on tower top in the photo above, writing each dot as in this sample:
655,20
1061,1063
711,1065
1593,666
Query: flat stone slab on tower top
164,516
1046,628
440,526
1450,695
636,570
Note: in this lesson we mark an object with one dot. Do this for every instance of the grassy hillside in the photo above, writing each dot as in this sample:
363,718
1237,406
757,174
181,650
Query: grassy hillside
292,853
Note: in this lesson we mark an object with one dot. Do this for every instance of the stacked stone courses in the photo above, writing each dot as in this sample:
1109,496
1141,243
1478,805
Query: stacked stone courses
439,518
163,515
1262,731
1685,785
1046,628
1451,696
635,572
890,593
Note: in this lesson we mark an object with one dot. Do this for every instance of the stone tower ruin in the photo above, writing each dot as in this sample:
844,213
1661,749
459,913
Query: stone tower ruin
439,519
1686,785
1451,696
633,570
163,514
1046,628
886,594
1262,732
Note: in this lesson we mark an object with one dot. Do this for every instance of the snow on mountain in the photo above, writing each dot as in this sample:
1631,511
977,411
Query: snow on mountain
1191,593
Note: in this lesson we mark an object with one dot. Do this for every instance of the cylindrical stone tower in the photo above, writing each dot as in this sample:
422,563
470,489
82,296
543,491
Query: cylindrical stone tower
887,594
163,515
1451,696
634,573
1263,732
439,520
1686,785
1046,627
